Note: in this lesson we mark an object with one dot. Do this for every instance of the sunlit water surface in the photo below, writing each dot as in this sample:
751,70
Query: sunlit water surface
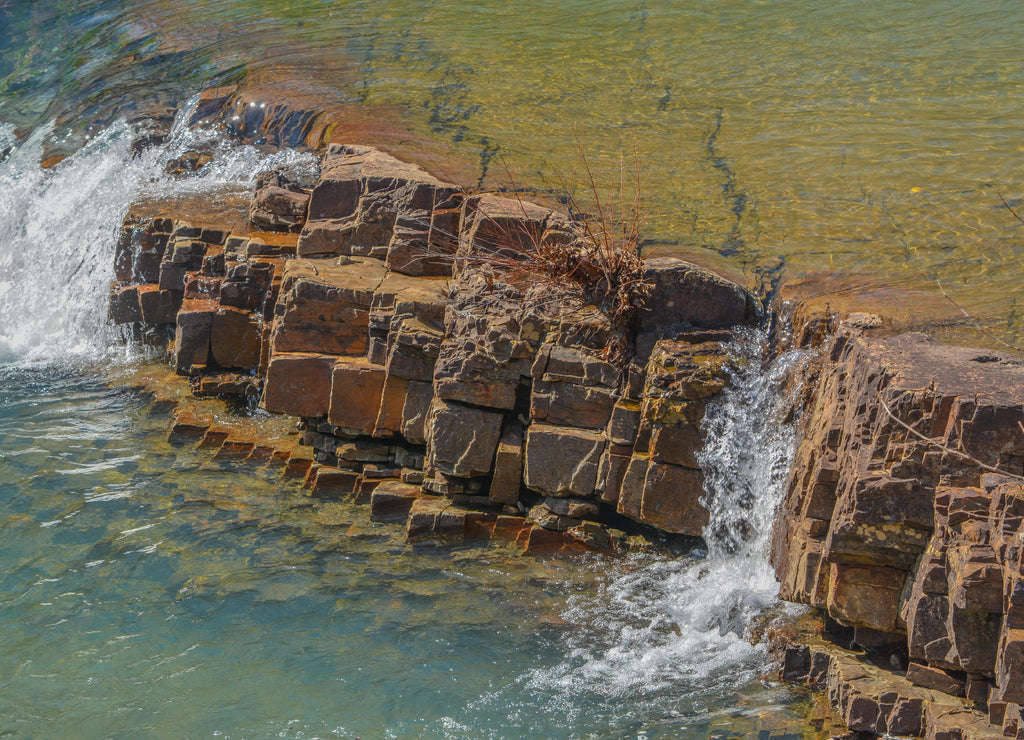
866,140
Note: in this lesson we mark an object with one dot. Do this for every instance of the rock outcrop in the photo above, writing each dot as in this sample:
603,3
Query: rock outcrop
903,519
437,374
442,378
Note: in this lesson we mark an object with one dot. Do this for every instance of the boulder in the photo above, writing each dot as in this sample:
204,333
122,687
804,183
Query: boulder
278,203
684,296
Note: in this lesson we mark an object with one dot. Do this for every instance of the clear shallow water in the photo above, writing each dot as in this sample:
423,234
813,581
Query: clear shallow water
865,139
148,591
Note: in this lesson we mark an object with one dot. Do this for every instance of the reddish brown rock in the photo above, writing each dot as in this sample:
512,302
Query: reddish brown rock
235,338
298,384
562,461
664,496
158,306
124,305
333,483
461,440
278,203
369,203
493,224
356,388
393,498
435,518
188,427
325,307
684,296
192,334
508,466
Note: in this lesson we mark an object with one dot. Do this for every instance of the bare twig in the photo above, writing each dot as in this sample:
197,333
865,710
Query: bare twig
1007,205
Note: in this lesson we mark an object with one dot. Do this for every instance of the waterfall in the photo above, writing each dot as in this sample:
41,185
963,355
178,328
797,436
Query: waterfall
659,628
59,227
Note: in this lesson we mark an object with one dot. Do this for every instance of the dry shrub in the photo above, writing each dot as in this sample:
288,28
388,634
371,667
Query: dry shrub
591,257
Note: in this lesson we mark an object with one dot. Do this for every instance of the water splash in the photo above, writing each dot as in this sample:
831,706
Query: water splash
59,228
658,629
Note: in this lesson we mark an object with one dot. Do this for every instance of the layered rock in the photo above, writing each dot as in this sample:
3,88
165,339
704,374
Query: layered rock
903,518
369,203
489,385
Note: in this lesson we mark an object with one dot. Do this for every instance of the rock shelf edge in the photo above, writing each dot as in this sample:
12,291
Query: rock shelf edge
471,400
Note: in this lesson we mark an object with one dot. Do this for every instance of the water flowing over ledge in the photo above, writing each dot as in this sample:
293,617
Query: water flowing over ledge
59,228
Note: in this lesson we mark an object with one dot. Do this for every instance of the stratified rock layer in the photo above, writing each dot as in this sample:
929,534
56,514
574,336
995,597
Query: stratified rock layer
408,328
903,519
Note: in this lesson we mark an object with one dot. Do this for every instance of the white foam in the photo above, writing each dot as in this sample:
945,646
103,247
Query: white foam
59,227
676,624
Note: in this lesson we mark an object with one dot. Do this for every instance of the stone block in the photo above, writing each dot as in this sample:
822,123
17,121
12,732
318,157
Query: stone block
158,306
298,384
542,516
124,305
192,334
562,461
685,296
234,450
669,496
624,422
571,404
508,466
462,440
611,471
418,397
555,363
934,678
188,427
393,498
367,200
172,276
435,518
324,307
356,389
278,203
1009,668
865,596
235,339
492,224
392,406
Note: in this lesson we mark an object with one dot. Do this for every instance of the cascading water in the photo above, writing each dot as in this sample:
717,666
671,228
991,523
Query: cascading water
59,227
98,520
660,629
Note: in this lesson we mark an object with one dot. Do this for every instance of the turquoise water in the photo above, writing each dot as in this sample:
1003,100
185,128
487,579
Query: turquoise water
147,591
